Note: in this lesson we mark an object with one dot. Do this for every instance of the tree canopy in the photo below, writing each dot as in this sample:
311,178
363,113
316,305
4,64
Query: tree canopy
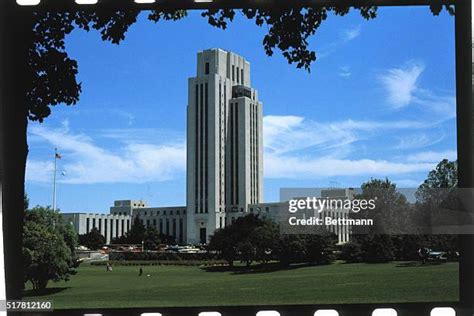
48,247
92,240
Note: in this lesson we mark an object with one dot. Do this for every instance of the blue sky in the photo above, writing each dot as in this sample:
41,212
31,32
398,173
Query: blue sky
379,102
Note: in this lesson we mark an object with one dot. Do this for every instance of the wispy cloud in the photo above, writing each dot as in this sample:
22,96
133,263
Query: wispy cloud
418,140
350,34
345,72
401,83
298,148
301,167
433,156
403,89
345,36
87,162
283,134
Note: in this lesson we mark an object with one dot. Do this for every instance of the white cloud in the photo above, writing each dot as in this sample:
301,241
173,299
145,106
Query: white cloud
403,89
401,83
292,167
283,134
351,34
418,141
87,162
288,139
345,72
345,36
433,156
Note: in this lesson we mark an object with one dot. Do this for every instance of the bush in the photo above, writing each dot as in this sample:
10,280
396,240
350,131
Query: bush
351,252
160,256
377,249
161,263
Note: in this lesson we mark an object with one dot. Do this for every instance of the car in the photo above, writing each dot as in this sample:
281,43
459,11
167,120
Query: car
437,256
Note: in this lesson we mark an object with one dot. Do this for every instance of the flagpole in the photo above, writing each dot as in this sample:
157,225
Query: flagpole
54,179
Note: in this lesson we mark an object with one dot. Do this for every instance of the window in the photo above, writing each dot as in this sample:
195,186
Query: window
206,71
164,212
242,75
237,74
233,72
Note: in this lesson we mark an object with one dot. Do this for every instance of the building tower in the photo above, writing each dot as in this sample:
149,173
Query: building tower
224,143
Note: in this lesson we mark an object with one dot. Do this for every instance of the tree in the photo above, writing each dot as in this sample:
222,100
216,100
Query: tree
291,249
320,248
48,247
224,241
436,197
92,240
136,234
444,176
249,239
392,213
265,240
151,238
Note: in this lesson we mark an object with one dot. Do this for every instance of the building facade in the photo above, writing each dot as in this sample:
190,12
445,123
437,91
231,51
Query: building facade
224,175
224,143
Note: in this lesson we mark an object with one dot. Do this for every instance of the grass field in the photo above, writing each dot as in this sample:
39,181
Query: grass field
93,287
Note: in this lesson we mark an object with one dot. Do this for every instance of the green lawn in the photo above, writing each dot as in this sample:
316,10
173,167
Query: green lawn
93,287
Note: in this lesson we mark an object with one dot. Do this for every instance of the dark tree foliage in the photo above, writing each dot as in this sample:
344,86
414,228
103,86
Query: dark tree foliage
392,213
151,238
136,234
289,28
351,252
444,176
312,248
92,240
241,239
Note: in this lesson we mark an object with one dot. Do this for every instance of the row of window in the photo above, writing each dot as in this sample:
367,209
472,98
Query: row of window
157,213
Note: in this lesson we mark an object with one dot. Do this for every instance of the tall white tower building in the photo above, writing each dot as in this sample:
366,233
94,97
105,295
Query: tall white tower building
224,143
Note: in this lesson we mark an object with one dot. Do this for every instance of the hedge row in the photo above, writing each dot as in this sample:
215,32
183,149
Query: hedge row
161,256
161,263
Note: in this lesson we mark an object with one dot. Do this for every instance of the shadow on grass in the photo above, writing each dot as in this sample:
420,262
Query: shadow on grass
257,268
416,264
45,292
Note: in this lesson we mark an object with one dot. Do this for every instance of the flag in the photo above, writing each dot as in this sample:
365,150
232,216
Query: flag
57,156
